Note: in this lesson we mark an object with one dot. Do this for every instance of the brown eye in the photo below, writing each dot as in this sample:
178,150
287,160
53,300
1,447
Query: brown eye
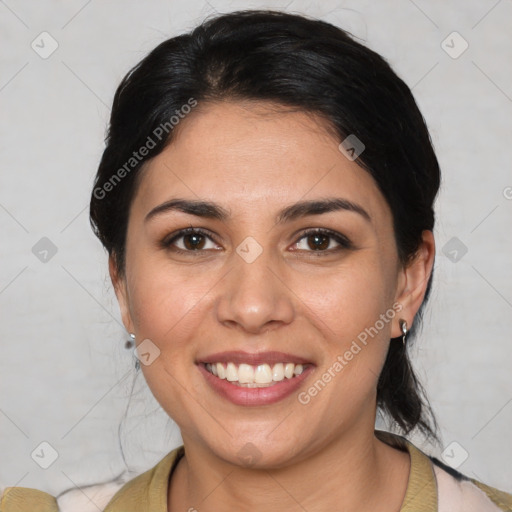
193,241
320,240
190,240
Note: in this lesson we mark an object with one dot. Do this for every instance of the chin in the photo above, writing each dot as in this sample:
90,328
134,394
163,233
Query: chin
255,455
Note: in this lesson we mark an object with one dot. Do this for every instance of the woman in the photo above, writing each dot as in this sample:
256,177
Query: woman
266,199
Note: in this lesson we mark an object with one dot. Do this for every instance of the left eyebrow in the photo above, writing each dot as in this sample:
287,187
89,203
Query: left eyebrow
319,206
211,210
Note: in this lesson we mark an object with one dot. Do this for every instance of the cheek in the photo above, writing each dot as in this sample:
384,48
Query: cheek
352,311
162,298
164,303
348,300
167,307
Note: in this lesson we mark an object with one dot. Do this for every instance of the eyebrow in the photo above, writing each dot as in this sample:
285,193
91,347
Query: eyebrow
211,210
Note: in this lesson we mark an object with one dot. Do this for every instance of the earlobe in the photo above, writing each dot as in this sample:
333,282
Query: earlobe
414,281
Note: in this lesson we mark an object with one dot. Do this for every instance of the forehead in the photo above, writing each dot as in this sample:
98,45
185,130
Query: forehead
254,155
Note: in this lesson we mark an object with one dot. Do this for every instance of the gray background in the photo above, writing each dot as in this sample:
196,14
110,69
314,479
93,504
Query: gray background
64,372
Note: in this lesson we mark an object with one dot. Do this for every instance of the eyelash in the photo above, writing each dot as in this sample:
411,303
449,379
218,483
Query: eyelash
342,240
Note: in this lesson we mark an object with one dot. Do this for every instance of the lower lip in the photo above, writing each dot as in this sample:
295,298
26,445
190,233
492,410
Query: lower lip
254,396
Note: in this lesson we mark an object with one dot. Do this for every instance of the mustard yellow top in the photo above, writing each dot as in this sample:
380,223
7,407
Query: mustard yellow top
431,488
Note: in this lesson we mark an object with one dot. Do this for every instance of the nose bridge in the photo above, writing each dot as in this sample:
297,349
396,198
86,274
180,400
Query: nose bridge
252,295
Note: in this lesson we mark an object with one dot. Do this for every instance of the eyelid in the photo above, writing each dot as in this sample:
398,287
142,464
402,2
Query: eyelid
343,241
169,239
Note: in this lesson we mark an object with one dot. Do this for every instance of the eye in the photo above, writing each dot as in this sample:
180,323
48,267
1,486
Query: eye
194,240
320,239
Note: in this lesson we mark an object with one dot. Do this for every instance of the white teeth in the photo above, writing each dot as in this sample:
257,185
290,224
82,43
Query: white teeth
247,374
231,372
288,370
263,374
221,372
278,372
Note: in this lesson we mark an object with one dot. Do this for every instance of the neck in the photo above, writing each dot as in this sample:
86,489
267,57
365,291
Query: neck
355,469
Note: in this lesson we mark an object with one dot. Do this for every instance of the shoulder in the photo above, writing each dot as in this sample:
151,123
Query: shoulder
441,488
92,498
125,493
24,499
458,492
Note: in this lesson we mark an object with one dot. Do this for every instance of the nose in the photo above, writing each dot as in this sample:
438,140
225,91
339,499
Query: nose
254,296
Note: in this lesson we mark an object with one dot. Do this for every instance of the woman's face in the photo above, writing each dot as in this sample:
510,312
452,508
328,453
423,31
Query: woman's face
255,283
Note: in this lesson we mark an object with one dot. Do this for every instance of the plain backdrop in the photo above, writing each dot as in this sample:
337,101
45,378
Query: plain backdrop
65,374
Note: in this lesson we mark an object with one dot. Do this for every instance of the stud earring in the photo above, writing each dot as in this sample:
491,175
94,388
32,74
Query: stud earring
137,362
403,327
131,342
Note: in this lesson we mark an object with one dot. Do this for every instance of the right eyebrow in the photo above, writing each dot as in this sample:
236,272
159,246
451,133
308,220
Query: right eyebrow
205,209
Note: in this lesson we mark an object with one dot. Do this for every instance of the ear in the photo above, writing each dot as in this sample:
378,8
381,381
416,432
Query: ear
413,281
119,283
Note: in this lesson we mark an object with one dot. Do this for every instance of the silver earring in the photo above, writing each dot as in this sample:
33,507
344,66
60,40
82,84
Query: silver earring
403,327
137,362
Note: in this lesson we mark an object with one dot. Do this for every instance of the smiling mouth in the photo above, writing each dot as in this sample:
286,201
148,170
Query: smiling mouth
255,376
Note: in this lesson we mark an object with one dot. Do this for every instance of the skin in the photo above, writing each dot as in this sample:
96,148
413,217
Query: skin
255,160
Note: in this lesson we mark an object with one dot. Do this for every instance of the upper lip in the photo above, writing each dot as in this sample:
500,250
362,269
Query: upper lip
239,356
